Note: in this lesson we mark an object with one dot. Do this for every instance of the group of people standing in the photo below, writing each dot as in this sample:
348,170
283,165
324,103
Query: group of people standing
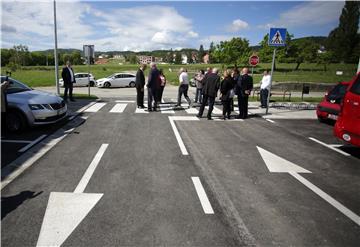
233,83
155,86
207,86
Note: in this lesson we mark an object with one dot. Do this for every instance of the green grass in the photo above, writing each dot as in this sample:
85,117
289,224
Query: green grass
36,76
82,96
293,99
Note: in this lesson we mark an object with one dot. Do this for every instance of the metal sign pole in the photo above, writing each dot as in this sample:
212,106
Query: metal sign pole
89,74
271,76
55,54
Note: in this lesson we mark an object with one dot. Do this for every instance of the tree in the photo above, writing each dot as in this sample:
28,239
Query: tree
325,58
344,39
133,59
76,58
235,51
5,56
201,53
305,51
211,53
189,57
178,58
20,55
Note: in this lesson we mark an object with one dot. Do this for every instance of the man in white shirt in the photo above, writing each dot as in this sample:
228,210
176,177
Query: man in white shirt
264,89
183,87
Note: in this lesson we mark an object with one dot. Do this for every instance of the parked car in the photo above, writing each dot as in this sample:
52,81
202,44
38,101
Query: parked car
81,79
329,107
117,80
347,127
29,107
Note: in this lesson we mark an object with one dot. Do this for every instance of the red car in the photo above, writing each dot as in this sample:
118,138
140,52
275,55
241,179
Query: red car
347,127
329,107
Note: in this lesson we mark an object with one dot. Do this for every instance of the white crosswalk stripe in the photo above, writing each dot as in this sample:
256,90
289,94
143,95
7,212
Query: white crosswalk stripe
167,109
118,108
138,110
96,107
215,110
192,111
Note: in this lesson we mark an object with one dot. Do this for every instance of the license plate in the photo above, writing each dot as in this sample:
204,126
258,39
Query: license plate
333,117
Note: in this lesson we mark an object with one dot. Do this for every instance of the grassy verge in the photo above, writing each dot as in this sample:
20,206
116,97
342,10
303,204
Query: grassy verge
82,96
293,99
37,76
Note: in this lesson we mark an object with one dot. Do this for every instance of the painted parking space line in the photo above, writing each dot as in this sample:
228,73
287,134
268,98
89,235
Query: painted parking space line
96,107
204,200
329,146
32,143
118,108
91,169
16,141
172,120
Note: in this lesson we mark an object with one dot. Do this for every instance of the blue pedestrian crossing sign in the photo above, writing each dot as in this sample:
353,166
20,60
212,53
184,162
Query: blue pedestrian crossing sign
277,37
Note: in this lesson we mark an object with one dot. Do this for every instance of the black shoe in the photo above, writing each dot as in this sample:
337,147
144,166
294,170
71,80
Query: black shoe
149,110
199,116
154,109
209,118
224,118
142,106
177,105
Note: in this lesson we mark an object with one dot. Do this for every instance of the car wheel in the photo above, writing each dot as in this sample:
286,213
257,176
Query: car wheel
132,84
15,121
92,84
107,84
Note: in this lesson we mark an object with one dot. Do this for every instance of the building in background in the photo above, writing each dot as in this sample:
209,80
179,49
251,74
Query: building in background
146,59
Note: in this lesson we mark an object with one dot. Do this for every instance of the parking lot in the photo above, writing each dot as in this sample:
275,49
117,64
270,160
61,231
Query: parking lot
170,178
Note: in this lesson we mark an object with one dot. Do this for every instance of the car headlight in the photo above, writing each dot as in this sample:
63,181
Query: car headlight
35,107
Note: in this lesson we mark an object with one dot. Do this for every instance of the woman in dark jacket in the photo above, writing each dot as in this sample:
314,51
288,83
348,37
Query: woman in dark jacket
226,86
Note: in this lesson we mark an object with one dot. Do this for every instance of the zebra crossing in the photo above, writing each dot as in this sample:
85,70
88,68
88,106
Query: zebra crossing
128,106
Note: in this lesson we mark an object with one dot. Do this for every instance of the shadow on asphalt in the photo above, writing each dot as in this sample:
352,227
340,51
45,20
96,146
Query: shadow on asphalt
11,203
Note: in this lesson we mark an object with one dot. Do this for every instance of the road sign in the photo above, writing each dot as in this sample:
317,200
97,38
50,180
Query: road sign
254,60
277,37
89,53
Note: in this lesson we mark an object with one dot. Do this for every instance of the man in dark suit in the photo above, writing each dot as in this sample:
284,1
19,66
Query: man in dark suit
210,88
140,83
243,90
68,76
153,86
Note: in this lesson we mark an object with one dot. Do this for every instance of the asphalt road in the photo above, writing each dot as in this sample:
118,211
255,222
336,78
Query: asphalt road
149,194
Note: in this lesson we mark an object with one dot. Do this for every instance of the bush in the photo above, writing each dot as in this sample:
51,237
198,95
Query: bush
13,66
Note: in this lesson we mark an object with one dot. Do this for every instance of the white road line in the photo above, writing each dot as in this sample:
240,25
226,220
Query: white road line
329,146
85,107
327,198
138,110
96,107
216,111
192,111
269,120
16,141
336,145
229,120
89,172
32,160
205,203
124,101
32,144
118,108
172,120
167,109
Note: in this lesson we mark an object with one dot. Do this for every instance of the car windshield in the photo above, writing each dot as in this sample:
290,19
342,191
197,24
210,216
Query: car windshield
337,93
356,86
15,86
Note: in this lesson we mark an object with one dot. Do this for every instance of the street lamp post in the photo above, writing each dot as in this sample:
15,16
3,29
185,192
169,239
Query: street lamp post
55,54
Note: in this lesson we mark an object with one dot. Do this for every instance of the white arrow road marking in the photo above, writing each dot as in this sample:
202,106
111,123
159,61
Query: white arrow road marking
172,120
277,164
118,108
204,200
329,146
66,210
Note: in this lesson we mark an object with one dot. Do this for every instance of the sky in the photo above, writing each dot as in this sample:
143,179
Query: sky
148,25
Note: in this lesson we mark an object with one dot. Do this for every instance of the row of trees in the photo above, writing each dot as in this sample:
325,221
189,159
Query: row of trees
20,55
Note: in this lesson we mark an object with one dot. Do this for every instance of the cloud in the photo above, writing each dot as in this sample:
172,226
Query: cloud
7,29
317,13
237,25
214,38
82,23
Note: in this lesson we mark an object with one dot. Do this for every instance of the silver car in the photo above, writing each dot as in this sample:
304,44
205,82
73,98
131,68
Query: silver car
29,107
